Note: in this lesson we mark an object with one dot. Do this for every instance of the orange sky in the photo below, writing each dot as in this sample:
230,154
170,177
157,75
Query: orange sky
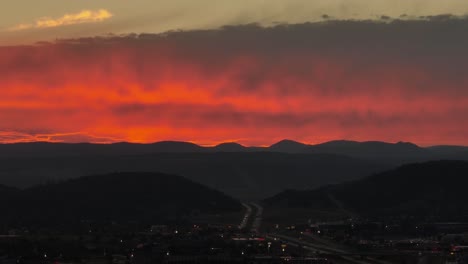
250,85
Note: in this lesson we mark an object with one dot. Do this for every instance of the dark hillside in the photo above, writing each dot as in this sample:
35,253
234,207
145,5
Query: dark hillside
119,196
436,189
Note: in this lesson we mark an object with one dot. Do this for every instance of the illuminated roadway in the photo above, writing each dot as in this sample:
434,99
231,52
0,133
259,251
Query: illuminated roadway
252,221
317,247
258,218
245,219
252,217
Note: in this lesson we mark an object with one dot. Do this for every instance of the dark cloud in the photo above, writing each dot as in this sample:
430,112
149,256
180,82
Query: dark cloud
435,46
347,76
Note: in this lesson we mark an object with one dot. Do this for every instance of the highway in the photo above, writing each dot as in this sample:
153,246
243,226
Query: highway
252,218
257,220
316,246
308,244
247,215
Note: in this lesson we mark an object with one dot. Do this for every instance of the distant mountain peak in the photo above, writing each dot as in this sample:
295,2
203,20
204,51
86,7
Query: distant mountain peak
175,142
288,145
404,143
287,142
370,149
229,146
176,146
339,142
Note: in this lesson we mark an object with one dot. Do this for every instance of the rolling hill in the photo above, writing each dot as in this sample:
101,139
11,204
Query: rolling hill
229,147
117,196
370,149
247,173
244,175
434,189
288,146
366,149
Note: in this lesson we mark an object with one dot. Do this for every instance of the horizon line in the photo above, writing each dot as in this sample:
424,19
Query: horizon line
225,142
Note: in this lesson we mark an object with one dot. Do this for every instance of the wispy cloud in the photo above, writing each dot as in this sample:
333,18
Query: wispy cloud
85,16
10,137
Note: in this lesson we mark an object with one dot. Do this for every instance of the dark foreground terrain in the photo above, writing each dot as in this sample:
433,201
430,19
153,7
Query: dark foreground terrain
414,214
139,197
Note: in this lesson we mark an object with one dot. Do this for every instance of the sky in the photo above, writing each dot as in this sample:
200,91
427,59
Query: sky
253,72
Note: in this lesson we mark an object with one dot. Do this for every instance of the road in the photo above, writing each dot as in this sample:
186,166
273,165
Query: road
247,215
252,218
314,246
257,221
303,242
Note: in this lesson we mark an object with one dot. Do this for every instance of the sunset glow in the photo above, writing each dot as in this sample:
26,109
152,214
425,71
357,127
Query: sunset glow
248,84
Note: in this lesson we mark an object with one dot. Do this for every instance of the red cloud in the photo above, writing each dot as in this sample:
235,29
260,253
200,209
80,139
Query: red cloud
312,82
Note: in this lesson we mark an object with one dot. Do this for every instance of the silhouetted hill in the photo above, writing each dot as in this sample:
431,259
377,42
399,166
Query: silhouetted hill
229,147
432,189
175,146
45,149
370,149
450,152
288,146
244,172
244,175
118,196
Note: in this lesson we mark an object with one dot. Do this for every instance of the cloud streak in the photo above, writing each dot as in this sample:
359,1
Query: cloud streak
361,80
84,16
72,137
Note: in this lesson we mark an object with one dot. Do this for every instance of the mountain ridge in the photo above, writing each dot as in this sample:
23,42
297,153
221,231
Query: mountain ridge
430,189
247,173
404,151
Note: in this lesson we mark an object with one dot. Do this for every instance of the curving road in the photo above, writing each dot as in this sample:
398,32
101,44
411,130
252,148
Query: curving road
247,215
252,218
